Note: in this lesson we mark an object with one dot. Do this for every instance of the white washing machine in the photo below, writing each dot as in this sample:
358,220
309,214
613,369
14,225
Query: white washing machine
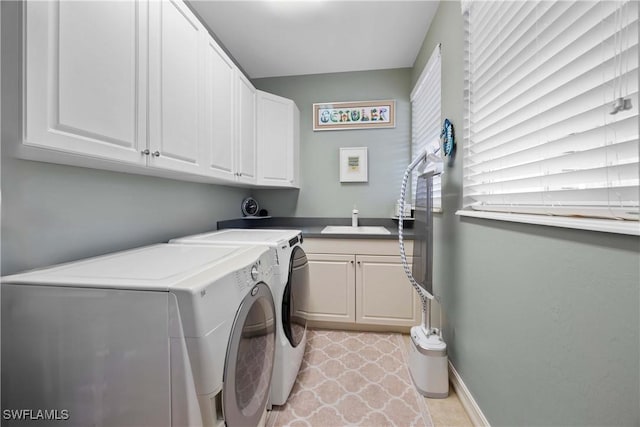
288,293
164,335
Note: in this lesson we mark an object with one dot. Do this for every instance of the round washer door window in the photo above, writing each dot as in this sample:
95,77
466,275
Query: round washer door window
293,297
249,360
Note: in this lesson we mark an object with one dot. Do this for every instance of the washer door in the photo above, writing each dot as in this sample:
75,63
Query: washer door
293,296
249,362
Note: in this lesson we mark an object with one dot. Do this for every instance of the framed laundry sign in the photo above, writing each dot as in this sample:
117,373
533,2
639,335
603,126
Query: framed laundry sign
353,164
354,115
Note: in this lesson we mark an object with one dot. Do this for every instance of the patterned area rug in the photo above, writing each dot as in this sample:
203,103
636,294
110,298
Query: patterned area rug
352,379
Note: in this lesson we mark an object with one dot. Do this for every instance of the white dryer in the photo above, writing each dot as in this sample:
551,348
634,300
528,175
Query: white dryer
164,335
289,293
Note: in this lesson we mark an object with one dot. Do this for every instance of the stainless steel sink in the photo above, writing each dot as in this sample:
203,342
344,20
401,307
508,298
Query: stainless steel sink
347,229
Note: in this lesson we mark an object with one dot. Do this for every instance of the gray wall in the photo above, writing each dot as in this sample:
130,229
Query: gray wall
321,193
53,213
542,323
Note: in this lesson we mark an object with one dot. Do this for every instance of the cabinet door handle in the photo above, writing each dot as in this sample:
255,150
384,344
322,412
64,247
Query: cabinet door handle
145,152
358,262
351,261
156,154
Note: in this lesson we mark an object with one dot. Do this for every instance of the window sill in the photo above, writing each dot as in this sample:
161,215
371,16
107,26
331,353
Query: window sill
604,225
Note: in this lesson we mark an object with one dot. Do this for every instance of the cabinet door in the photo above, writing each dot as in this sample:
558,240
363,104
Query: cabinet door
176,100
276,140
331,288
384,295
246,129
218,149
85,78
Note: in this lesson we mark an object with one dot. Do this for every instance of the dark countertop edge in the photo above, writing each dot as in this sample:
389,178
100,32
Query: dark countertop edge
311,227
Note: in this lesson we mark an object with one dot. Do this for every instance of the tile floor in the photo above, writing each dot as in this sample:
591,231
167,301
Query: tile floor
350,378
447,412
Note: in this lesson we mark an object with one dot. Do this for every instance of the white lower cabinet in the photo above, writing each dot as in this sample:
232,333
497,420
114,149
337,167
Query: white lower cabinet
384,295
359,283
331,294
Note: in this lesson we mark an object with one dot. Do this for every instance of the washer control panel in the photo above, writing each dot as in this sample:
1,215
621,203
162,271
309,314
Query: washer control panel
259,270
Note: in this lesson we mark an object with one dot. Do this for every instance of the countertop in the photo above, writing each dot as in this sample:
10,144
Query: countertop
311,227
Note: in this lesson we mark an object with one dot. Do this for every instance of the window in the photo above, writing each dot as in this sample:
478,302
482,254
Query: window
542,133
426,120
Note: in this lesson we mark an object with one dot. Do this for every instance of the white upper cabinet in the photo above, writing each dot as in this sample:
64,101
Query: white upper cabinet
176,90
246,130
142,87
218,148
85,78
278,141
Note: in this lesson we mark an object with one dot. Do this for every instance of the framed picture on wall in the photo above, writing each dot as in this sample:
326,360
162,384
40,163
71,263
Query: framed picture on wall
354,115
353,164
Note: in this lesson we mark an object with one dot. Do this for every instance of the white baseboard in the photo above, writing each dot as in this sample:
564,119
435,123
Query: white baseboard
468,402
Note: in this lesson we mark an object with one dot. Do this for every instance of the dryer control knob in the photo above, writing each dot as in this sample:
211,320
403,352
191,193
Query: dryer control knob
254,272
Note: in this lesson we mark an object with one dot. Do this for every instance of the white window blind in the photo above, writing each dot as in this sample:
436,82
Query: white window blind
541,79
426,118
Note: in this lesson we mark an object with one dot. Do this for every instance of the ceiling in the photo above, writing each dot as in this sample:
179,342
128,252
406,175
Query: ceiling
271,38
